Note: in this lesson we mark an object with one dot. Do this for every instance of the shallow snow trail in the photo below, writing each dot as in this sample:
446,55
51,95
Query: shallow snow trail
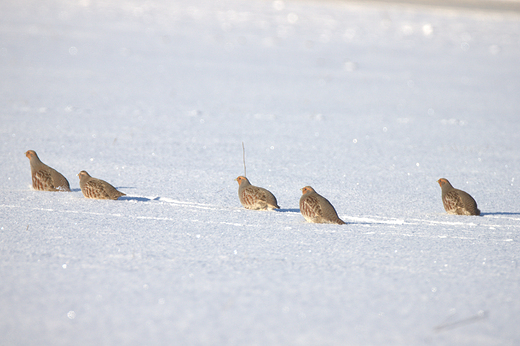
415,221
283,215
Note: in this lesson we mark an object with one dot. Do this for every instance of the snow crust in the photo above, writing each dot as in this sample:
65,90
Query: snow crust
369,104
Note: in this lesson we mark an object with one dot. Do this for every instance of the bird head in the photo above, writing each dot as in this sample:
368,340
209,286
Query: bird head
306,189
443,181
83,174
30,154
240,179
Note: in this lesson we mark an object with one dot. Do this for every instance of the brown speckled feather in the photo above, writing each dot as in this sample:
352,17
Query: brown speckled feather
97,188
45,178
457,202
317,209
254,197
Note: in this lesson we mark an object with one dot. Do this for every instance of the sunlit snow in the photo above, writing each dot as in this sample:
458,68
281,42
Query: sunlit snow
368,103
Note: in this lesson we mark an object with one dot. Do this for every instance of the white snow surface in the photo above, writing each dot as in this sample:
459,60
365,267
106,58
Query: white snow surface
369,104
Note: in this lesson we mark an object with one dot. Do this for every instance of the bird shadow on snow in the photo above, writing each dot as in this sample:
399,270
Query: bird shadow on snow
128,198
288,210
137,198
499,213
363,223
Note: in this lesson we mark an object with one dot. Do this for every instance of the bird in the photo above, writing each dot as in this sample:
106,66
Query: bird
97,188
254,197
317,209
45,178
455,201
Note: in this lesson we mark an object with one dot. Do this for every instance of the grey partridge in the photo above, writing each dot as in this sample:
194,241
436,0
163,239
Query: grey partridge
254,197
45,178
457,202
317,209
97,188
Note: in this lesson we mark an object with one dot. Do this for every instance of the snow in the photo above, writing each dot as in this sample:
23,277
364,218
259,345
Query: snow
369,104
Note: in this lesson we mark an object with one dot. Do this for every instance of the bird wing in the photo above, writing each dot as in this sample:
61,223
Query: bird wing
95,189
452,201
42,181
252,194
60,182
310,207
253,197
